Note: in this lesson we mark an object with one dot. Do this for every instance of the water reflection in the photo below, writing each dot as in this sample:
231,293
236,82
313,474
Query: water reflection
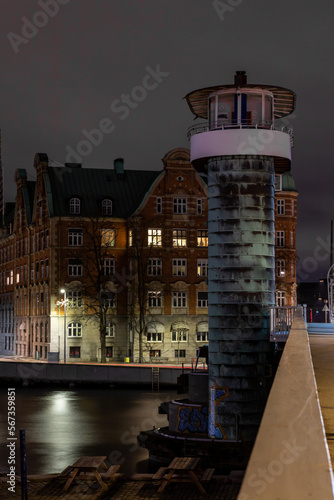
62,425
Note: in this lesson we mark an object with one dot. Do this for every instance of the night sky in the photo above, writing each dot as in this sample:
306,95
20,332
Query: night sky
76,65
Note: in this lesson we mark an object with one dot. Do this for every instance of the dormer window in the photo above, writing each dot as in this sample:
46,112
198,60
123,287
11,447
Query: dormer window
75,206
106,207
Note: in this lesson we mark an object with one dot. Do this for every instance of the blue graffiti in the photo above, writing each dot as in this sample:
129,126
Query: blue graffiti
193,419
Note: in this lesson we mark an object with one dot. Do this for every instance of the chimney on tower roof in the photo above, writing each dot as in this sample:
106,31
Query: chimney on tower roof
240,78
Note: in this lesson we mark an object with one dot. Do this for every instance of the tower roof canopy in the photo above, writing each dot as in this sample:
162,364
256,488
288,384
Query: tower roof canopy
284,99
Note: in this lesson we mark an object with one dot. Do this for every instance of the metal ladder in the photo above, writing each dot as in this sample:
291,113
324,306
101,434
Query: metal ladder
155,378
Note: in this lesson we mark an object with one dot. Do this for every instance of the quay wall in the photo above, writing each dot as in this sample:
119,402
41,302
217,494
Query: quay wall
26,372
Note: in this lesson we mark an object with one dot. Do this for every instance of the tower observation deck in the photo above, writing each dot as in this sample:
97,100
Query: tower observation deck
240,147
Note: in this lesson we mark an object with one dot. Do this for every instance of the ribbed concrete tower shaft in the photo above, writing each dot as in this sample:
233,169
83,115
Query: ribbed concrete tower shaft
241,291
240,147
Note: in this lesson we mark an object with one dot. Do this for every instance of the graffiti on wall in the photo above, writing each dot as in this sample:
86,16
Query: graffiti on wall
217,395
192,419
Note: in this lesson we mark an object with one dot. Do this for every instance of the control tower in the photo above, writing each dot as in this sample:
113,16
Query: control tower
240,149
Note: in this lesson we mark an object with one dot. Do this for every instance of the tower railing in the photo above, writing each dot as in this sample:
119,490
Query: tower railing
280,322
220,125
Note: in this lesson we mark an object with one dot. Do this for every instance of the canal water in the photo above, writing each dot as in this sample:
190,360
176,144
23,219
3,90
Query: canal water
63,424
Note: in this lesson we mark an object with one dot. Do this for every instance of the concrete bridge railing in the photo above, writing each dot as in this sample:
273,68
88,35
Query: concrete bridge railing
290,458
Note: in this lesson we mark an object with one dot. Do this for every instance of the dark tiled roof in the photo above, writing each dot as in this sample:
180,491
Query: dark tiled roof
91,186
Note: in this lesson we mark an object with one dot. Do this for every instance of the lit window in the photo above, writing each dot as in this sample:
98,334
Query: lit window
74,298
155,353
106,207
75,206
109,351
179,267
202,238
280,238
74,352
202,267
179,238
280,268
154,299
74,330
130,237
180,205
108,237
154,267
202,299
154,237
179,299
75,237
280,207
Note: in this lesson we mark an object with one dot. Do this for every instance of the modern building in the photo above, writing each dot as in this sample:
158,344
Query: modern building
129,249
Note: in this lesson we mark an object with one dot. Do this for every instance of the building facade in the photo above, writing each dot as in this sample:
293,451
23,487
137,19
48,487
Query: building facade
112,264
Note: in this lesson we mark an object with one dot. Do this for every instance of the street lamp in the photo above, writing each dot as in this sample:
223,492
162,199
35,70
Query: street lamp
63,303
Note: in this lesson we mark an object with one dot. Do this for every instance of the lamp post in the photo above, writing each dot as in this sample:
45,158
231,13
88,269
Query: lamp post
63,303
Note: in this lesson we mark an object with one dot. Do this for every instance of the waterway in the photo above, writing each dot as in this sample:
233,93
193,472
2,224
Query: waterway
63,424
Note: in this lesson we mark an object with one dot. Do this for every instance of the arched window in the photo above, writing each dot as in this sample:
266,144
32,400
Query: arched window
106,207
75,206
74,330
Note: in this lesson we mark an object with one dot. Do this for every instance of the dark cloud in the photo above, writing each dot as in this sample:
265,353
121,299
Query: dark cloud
66,76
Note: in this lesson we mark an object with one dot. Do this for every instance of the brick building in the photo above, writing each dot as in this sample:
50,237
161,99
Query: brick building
129,248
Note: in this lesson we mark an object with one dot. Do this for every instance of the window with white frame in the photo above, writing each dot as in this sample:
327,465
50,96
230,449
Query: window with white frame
74,330
280,207
202,238
202,299
75,267
179,267
75,237
110,330
75,206
154,267
280,268
154,299
180,205
106,207
280,238
179,237
154,336
202,267
108,299
108,267
159,205
74,298
278,182
280,298
108,237
154,237
179,299
180,335
202,336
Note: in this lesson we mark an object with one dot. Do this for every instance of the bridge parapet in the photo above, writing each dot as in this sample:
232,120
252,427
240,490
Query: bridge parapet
290,458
